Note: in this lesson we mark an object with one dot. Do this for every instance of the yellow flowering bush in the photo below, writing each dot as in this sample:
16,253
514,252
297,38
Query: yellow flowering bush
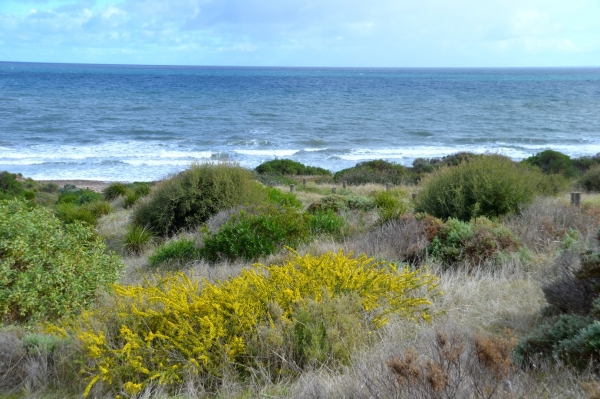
166,331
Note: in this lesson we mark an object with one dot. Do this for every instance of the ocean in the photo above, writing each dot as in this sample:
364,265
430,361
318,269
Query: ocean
141,123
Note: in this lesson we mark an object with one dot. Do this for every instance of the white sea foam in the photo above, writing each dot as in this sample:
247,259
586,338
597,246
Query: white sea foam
314,149
274,153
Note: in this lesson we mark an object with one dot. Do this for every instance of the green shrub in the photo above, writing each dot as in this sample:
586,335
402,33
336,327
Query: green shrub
51,188
48,270
10,187
70,213
390,204
326,222
137,239
78,196
590,180
175,252
114,191
192,196
141,189
338,203
487,186
283,167
475,242
286,200
378,171
260,232
553,162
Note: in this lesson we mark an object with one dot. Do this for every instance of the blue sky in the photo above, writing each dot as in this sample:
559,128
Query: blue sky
376,33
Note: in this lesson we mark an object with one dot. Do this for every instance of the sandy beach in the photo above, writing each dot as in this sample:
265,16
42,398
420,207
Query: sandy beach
94,185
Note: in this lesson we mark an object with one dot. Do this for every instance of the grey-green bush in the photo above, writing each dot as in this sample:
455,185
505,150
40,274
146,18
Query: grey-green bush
487,186
191,197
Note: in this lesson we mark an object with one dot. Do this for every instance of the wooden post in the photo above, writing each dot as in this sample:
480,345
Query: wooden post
388,186
333,190
414,195
576,199
304,182
344,183
292,188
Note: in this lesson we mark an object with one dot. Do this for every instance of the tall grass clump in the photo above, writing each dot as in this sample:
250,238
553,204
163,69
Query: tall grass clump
48,270
175,331
487,186
137,239
191,197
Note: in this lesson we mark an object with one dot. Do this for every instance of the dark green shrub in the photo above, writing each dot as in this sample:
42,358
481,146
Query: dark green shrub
585,163
590,180
251,234
326,222
192,196
141,189
286,200
553,162
51,188
131,198
114,191
474,242
48,270
549,338
487,186
137,239
283,167
377,171
10,187
175,252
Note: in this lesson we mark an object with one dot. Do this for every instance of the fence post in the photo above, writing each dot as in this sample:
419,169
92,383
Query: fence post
576,199
333,190
292,188
344,184
304,182
388,186
414,195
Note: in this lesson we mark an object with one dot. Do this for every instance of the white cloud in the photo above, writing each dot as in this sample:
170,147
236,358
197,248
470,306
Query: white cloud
305,32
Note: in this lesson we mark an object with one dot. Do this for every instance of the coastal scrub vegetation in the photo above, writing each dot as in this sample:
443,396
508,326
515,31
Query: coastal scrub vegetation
470,276
282,167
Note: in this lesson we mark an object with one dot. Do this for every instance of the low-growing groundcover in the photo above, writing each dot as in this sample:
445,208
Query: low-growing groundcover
48,270
176,330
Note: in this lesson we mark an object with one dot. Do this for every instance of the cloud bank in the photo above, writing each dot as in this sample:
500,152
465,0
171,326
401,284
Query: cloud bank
378,33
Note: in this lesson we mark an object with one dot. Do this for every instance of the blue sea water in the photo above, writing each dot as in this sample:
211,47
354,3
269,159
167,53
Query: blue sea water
67,121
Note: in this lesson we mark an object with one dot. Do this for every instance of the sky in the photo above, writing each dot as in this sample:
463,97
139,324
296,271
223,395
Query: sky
335,33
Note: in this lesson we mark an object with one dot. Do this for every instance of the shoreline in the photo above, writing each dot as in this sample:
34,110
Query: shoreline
94,185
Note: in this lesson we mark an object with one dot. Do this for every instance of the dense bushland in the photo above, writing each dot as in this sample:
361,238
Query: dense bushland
487,186
553,162
282,167
173,331
48,270
191,197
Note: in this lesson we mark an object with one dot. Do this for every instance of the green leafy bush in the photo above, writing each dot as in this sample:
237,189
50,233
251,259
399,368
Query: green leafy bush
475,242
89,213
553,162
390,204
259,232
286,200
11,188
487,186
190,197
48,270
326,222
377,171
174,252
288,167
